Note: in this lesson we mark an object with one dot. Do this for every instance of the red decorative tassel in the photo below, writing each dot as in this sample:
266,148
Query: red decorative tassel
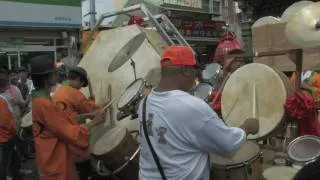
303,108
217,105
135,20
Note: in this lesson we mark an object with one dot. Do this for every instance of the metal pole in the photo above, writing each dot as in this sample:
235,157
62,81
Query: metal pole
9,62
92,14
19,59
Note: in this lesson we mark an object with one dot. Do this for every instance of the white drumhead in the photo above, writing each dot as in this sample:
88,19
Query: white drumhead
27,120
130,124
203,90
130,93
237,102
109,140
248,151
265,20
304,148
280,172
211,71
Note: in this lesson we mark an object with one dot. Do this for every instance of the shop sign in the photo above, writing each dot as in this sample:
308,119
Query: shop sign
185,3
199,28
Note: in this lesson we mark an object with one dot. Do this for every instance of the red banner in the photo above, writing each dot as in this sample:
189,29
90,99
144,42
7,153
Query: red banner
199,28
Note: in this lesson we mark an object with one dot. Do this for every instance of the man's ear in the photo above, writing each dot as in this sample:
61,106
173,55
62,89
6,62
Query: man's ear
184,71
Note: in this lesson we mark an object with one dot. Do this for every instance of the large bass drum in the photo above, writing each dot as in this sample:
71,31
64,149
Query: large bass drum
256,90
106,47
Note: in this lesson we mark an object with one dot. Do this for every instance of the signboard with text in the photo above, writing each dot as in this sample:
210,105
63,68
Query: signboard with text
41,13
186,3
199,28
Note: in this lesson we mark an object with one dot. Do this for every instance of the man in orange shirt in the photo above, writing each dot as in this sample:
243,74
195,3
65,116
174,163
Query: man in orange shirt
71,100
54,131
7,134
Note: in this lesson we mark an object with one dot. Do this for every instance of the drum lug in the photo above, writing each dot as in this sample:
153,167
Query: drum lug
249,168
228,172
261,157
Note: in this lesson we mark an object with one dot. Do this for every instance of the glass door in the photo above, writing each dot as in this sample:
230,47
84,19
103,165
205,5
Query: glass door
14,61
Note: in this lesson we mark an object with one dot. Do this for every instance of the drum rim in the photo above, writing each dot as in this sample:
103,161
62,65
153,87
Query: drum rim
283,85
135,96
299,139
278,167
243,163
203,84
205,70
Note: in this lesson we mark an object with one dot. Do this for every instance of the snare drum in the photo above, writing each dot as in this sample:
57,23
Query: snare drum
115,149
203,91
304,150
211,73
279,172
245,165
132,96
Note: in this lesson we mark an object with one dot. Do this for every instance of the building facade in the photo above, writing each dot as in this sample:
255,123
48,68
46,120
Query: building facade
31,27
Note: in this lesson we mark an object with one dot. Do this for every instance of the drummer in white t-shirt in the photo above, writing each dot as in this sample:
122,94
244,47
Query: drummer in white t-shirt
183,129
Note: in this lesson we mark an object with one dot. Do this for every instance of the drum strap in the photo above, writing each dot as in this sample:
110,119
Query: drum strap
145,131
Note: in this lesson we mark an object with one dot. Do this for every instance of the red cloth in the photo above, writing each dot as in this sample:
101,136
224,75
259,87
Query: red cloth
135,20
227,44
217,105
303,108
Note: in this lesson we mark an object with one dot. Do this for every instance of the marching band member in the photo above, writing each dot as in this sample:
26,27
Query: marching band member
71,100
7,134
183,129
53,130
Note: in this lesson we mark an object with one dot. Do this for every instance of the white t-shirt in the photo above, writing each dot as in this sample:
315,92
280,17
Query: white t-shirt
183,130
8,95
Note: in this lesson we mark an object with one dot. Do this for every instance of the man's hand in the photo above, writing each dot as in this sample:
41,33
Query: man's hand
92,98
100,117
251,126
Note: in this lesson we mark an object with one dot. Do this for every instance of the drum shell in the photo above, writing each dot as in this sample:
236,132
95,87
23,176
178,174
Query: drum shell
26,133
238,173
119,155
246,164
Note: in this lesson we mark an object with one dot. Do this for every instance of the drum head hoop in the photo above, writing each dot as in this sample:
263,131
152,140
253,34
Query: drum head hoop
304,148
203,90
248,151
286,173
131,92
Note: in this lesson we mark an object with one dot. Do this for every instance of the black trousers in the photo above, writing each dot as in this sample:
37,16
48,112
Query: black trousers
84,170
9,161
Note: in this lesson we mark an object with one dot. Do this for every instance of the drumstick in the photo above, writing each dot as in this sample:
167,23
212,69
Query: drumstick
90,88
112,122
254,104
221,87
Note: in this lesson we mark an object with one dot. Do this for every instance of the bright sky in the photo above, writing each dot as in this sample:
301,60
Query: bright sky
102,6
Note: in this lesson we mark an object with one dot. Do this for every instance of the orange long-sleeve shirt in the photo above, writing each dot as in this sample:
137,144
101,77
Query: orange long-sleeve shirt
73,101
7,122
313,80
54,158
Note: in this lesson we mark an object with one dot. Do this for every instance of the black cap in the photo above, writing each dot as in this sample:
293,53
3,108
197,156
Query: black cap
43,64
82,72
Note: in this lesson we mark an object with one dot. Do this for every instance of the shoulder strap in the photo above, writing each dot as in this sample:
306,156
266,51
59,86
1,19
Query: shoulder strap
144,125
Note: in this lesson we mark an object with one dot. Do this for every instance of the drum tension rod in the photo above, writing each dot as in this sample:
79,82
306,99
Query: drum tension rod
133,64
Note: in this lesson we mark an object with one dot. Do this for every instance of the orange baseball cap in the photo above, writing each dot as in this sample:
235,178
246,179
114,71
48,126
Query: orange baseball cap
178,55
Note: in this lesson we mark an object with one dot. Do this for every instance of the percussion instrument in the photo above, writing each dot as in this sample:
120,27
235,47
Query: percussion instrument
115,149
127,51
101,54
302,30
279,172
255,90
132,125
203,91
211,73
25,132
293,9
132,96
265,20
303,150
245,165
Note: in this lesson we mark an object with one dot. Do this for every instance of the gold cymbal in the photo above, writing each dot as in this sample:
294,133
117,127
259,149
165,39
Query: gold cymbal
303,29
293,9
127,51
